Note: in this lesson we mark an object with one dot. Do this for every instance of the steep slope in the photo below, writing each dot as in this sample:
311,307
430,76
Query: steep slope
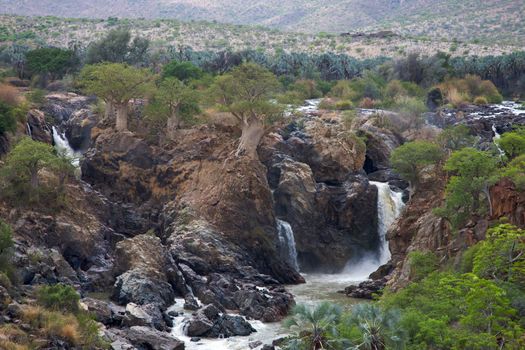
470,19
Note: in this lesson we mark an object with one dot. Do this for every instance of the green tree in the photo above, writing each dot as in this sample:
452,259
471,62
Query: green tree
512,143
7,119
515,171
313,328
456,137
246,93
51,63
116,84
473,171
501,256
172,104
20,173
183,71
411,158
117,47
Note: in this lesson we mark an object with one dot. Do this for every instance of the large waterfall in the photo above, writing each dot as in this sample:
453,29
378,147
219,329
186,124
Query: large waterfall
62,146
389,207
287,243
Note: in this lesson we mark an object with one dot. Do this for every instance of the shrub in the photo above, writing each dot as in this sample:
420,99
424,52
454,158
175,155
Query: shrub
512,143
515,171
59,297
412,109
7,119
480,101
343,105
184,71
9,95
367,103
422,264
6,243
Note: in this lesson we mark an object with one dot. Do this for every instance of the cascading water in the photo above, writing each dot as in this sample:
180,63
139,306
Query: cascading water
389,207
287,243
495,139
62,146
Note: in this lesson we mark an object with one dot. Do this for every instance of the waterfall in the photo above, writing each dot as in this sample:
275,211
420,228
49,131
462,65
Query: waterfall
62,146
28,128
287,243
389,207
495,139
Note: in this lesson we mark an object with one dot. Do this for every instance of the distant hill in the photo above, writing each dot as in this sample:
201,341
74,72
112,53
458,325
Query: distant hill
466,20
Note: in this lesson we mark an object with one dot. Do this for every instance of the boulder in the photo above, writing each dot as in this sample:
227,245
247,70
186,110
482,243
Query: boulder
138,286
143,338
99,309
40,129
148,315
209,322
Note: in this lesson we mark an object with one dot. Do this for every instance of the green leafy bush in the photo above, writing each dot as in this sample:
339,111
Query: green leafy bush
59,297
422,264
7,118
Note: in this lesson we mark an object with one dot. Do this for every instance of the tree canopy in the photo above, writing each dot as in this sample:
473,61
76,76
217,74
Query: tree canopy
118,47
54,62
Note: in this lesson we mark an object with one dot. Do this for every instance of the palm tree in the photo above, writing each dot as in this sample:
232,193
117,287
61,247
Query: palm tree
313,328
368,327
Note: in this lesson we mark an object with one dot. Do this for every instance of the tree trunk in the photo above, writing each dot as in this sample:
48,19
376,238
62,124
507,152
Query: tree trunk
34,179
109,112
252,132
172,125
122,117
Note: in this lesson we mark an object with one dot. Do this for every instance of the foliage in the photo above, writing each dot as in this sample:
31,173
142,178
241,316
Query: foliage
473,171
422,70
470,89
246,91
173,100
183,71
115,82
410,108
312,327
6,243
515,170
422,264
59,297
117,47
19,176
456,137
512,143
501,256
369,327
409,159
54,62
7,119
453,311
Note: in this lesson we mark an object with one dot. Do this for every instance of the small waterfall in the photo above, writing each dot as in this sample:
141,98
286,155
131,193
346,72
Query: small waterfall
495,139
389,207
287,243
29,132
62,146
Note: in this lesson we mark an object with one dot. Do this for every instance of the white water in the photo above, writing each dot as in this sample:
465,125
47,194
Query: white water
495,139
266,333
287,243
389,207
62,146
28,129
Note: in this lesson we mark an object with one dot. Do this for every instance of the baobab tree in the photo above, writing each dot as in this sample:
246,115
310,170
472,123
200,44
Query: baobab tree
246,92
117,84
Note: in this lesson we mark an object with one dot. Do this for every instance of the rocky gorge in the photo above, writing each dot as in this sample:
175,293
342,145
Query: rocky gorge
147,225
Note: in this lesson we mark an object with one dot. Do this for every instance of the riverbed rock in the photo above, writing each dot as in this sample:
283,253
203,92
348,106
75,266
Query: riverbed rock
143,338
365,290
209,322
40,129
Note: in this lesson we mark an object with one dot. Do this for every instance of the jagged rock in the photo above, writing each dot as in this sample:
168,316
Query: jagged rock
40,129
148,315
147,267
508,202
209,322
365,290
99,309
263,304
5,298
143,338
78,128
190,303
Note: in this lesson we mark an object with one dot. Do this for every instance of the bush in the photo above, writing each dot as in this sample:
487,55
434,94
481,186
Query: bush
367,103
515,171
9,95
480,101
184,71
58,297
7,119
343,105
422,264
512,143
412,109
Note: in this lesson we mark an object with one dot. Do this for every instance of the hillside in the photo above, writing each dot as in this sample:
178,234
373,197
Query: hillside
206,36
492,20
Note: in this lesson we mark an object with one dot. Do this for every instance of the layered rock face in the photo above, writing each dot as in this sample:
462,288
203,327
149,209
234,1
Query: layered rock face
315,171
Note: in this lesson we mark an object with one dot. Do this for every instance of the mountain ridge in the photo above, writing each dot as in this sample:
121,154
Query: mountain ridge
470,19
